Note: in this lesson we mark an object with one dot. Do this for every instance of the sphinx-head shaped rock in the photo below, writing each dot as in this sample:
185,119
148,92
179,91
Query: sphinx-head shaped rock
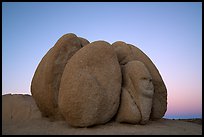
126,53
137,94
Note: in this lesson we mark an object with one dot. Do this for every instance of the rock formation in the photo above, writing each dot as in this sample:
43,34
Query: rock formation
46,80
18,108
88,84
126,53
89,92
138,93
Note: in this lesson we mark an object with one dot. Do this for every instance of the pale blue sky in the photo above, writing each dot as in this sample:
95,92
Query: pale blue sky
169,33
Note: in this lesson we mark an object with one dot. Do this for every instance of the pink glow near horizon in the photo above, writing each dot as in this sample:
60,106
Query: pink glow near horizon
184,98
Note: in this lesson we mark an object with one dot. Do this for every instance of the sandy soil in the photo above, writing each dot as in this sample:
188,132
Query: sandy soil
20,115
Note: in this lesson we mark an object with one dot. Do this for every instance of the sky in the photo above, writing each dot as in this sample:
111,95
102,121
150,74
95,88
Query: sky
170,33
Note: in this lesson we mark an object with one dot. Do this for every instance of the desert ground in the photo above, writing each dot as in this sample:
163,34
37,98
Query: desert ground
20,116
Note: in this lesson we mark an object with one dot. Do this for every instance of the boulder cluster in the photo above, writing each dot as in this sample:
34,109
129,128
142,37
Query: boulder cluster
88,84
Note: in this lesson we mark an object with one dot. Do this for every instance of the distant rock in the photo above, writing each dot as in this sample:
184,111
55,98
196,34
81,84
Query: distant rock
90,86
18,108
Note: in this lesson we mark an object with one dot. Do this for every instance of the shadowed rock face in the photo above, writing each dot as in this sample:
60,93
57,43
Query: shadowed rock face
83,41
90,86
89,83
128,110
46,80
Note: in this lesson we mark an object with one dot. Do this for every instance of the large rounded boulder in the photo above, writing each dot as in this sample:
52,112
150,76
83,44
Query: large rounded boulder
47,77
90,86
